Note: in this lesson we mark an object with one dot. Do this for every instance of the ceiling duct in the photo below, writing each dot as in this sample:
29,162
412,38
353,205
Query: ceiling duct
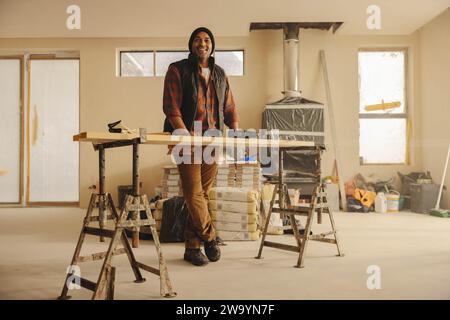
294,117
292,91
291,77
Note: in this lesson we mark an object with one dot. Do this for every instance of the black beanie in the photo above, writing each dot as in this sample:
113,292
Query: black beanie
201,29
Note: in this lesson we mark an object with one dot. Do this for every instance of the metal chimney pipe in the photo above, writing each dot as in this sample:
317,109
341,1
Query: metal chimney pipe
291,78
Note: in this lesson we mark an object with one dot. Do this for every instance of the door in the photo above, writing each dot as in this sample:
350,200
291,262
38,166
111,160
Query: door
11,129
53,118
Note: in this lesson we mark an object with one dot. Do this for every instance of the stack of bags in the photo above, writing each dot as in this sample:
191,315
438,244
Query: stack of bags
171,184
225,176
276,223
157,213
248,175
235,213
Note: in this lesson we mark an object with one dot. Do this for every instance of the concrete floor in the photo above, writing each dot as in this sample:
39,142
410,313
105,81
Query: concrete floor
411,250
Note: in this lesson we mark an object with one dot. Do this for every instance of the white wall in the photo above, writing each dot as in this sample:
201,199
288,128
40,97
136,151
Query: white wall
434,40
138,101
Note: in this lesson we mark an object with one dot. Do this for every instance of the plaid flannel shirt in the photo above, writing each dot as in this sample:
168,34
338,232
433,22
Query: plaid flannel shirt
206,100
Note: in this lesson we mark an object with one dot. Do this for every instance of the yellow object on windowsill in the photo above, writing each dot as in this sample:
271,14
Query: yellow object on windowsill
383,106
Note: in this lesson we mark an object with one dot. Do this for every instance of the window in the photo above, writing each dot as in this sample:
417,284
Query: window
136,64
382,107
231,61
165,58
155,63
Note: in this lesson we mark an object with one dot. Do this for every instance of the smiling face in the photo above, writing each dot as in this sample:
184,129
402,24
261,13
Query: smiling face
202,46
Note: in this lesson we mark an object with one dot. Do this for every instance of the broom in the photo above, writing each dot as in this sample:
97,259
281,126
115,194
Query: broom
437,211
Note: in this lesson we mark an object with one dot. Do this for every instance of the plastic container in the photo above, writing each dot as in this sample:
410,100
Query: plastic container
423,197
380,203
393,201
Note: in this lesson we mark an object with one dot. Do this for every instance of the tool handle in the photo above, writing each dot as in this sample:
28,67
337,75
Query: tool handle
443,178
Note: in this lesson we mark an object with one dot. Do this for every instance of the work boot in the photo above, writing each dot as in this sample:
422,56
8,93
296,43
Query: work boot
195,256
212,250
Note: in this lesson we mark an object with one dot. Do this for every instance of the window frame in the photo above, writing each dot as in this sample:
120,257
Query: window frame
404,115
154,53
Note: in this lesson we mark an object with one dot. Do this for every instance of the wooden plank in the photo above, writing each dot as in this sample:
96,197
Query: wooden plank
164,139
137,207
100,255
281,246
332,241
321,235
102,278
85,283
79,243
96,218
53,204
333,128
136,223
98,232
148,268
103,136
290,212
111,279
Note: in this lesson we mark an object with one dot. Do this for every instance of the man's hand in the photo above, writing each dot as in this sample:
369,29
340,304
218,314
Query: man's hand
180,130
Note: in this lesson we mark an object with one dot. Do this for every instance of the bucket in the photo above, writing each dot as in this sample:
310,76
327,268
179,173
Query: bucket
393,201
380,203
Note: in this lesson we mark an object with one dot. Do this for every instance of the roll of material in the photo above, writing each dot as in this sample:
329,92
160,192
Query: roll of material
226,171
230,184
169,183
233,206
226,216
233,194
173,169
248,185
172,189
235,226
171,177
238,236
248,170
223,177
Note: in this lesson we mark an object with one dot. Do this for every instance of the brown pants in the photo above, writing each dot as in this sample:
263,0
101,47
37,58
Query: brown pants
196,181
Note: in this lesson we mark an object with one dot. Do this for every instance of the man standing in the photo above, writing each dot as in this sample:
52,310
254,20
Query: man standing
197,90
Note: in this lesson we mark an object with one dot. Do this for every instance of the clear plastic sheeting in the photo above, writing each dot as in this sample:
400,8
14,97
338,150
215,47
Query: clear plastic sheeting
298,167
296,119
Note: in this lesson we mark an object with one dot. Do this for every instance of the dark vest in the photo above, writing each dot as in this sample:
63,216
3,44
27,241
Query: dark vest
188,69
